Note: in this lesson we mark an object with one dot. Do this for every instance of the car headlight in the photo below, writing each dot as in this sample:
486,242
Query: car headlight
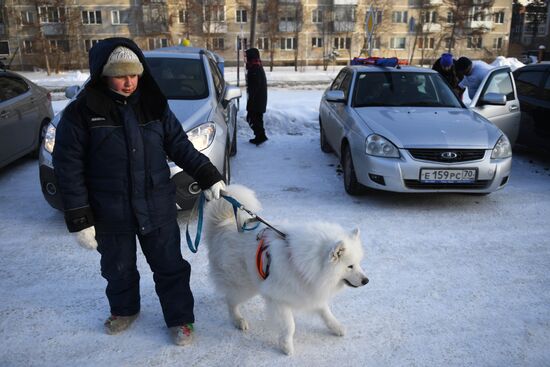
202,136
381,147
502,149
49,138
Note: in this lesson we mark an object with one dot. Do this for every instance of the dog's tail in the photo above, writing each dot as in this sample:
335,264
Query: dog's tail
220,212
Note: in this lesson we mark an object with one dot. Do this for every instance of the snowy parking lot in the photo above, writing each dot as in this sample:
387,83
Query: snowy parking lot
455,279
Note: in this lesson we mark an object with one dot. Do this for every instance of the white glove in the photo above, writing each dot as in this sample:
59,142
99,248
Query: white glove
86,238
214,191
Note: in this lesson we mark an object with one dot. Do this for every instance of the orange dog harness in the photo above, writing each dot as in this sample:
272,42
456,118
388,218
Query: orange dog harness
263,259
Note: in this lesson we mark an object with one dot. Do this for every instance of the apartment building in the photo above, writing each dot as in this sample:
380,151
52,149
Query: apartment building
58,33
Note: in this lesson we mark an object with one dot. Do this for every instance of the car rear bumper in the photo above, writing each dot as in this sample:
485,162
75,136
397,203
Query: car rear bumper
403,174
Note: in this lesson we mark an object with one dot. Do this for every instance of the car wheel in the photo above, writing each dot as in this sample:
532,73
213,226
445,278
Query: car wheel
234,143
226,168
352,186
325,147
41,135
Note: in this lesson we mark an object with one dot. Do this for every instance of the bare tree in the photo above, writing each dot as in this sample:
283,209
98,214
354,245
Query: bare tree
536,14
271,13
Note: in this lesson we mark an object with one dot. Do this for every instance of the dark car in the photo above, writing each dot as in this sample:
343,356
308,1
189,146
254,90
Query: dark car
25,112
533,85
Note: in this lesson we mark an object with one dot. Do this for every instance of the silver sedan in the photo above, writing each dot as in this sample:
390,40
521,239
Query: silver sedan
403,130
206,106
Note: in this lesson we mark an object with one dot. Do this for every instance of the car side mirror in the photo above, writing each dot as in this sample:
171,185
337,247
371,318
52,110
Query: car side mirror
231,93
72,91
496,99
335,96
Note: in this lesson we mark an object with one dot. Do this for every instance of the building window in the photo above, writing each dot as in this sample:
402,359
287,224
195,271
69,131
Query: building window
316,42
263,43
241,16
89,43
242,43
91,17
426,43
218,43
51,14
182,16
344,14
27,18
450,17
288,43
341,43
498,17
214,13
157,43
474,42
449,43
477,13
317,16
27,47
497,43
399,17
375,43
378,17
398,43
59,46
120,16
4,48
430,17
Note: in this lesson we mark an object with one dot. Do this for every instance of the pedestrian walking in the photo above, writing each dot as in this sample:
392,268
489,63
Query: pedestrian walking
110,163
256,88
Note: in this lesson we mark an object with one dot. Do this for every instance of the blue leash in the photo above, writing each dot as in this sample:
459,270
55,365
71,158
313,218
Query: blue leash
194,246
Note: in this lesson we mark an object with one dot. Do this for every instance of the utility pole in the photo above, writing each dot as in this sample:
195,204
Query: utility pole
253,23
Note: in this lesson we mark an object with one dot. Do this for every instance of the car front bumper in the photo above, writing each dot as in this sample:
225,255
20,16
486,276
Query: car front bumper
403,174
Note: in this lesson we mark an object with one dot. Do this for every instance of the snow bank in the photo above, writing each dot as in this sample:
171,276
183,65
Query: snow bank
512,62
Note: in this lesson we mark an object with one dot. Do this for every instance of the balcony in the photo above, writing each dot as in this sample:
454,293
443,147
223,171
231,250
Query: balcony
286,26
485,25
344,26
214,27
436,2
431,27
52,29
346,2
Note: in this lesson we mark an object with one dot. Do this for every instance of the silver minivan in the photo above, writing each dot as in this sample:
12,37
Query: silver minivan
206,106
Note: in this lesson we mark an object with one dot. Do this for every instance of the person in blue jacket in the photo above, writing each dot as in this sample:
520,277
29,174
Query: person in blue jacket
110,163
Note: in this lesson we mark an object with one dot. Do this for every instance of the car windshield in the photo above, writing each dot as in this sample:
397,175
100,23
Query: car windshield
411,89
179,78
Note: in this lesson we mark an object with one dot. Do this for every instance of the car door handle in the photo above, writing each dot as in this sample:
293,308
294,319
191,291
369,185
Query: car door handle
513,108
4,114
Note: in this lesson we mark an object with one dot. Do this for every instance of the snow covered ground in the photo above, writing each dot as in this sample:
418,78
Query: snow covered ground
455,280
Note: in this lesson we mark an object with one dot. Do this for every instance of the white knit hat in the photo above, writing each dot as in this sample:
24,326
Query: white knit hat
121,62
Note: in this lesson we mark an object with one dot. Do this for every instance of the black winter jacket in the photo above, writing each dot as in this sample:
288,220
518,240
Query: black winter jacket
256,88
449,75
110,154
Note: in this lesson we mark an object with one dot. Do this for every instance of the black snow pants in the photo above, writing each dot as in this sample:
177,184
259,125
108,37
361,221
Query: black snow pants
256,122
171,272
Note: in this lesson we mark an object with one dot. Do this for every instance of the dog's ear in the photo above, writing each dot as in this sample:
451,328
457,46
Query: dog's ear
355,233
337,252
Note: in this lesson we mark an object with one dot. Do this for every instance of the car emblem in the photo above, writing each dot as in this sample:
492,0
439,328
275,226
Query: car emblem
449,155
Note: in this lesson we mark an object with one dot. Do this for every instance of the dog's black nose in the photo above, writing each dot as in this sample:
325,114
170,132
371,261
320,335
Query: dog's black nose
365,281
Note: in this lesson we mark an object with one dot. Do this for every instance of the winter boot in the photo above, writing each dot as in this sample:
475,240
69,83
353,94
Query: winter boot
183,334
116,324
259,140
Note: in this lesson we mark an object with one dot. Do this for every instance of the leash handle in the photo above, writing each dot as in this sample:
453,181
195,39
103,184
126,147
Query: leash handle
194,247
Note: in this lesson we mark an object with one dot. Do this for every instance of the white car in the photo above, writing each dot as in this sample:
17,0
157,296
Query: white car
402,129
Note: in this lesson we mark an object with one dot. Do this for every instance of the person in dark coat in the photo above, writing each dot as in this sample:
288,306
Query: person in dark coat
445,66
110,163
256,89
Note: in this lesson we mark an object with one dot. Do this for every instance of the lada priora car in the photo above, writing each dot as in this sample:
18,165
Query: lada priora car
402,129
203,102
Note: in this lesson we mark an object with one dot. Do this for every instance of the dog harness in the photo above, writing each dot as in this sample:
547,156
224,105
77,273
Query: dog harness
263,258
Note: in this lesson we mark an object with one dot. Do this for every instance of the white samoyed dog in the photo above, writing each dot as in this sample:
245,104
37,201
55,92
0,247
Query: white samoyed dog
305,269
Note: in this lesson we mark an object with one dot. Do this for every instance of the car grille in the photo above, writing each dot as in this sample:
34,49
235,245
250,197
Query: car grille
416,184
435,155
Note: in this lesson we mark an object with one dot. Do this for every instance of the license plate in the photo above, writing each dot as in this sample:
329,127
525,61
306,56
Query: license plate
448,175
